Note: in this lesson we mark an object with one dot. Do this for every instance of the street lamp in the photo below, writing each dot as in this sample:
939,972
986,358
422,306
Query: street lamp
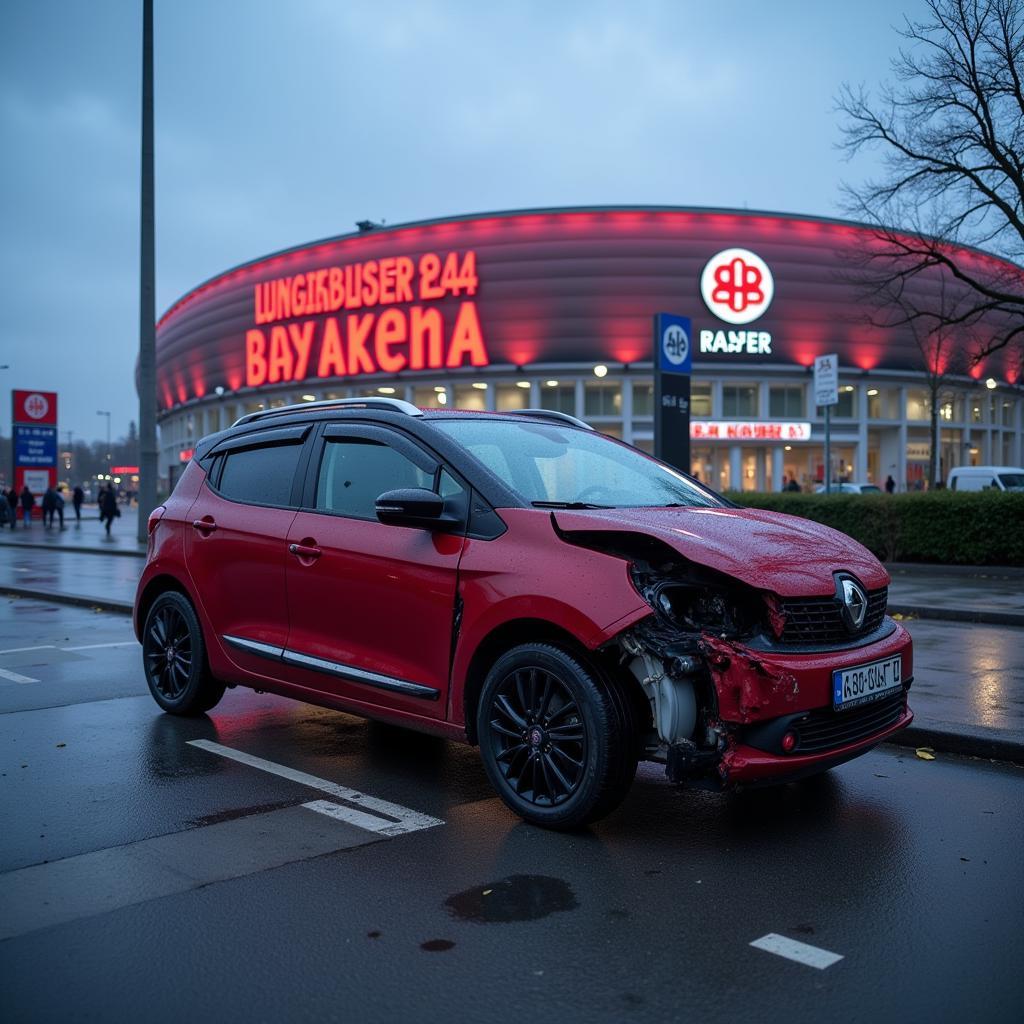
101,412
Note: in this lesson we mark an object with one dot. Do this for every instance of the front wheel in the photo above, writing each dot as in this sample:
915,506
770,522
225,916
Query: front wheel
557,741
174,657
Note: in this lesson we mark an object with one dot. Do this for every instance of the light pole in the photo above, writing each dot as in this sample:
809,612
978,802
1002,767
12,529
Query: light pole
148,452
101,412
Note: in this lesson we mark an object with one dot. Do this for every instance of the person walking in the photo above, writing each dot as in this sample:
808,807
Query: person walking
28,502
49,507
12,500
890,484
77,497
59,506
108,507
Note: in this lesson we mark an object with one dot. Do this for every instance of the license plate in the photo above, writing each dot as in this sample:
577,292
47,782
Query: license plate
865,683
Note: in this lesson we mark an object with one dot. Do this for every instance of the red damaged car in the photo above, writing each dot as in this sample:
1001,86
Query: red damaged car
521,582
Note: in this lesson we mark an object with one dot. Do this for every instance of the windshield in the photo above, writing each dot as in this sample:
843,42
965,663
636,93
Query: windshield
554,466
1012,481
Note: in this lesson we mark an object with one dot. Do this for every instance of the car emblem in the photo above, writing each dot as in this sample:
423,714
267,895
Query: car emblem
855,604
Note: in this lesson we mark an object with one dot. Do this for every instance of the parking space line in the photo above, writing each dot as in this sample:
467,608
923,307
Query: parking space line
22,650
92,647
404,819
16,677
801,952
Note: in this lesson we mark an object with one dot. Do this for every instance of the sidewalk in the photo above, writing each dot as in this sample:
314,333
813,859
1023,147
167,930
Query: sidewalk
87,535
968,693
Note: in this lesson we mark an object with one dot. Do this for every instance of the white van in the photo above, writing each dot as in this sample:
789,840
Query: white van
985,478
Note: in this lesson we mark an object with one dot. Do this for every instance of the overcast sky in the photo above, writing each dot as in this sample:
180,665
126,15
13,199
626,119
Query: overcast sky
279,123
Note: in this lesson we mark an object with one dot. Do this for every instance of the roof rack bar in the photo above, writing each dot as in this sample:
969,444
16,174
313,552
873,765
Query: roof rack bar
389,404
551,414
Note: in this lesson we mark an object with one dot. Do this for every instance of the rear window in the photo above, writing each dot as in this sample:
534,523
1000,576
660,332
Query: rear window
260,476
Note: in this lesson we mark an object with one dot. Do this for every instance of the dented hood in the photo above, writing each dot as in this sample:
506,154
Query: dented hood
787,555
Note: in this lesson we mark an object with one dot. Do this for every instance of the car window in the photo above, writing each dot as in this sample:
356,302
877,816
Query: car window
548,464
354,472
1012,481
260,476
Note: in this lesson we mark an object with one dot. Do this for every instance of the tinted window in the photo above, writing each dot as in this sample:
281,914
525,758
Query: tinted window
260,476
354,472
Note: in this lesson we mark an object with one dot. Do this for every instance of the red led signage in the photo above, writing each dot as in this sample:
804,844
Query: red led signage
388,340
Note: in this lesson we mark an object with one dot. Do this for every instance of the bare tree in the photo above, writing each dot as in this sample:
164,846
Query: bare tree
951,128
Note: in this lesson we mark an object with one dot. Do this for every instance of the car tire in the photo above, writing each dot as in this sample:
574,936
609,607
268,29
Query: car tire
174,658
558,740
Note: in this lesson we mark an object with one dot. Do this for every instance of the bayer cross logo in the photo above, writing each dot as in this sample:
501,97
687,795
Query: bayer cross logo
737,286
36,406
675,344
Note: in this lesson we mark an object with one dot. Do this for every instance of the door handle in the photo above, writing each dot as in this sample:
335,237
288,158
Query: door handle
204,526
305,550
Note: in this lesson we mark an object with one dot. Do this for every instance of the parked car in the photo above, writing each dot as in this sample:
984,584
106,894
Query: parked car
523,583
838,488
985,478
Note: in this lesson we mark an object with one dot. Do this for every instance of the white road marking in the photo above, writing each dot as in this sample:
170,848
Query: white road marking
16,677
92,647
801,952
20,650
406,820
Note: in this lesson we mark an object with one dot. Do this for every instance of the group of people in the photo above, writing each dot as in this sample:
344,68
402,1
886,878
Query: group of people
53,506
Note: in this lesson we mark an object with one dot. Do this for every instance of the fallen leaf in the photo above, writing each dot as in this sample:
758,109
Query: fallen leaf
925,755
487,892
61,744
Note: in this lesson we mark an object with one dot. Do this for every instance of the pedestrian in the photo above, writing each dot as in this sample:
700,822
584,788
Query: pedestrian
49,504
793,485
77,497
28,502
890,484
108,507
59,506
12,500
6,512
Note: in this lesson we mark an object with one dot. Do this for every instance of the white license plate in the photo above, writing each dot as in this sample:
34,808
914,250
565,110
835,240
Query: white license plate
864,683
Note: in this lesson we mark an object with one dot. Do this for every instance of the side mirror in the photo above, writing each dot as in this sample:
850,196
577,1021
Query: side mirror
412,506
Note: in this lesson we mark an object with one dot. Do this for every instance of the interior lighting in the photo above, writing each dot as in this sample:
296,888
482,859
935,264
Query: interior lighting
600,370
848,387
480,385
991,384
872,392
439,388
551,383
789,447
442,398
309,398
522,384
385,391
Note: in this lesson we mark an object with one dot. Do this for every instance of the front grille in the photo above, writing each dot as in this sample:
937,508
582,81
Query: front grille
819,620
826,729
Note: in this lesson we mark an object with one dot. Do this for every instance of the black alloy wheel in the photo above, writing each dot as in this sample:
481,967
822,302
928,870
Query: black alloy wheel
539,736
558,739
174,658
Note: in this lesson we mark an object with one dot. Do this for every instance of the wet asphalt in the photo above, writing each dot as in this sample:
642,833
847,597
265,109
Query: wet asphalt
143,877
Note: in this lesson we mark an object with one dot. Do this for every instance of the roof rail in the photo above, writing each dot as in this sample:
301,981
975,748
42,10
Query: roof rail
389,404
551,414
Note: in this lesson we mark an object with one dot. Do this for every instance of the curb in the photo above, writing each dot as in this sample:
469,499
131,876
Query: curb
65,548
971,744
104,603
941,569
975,615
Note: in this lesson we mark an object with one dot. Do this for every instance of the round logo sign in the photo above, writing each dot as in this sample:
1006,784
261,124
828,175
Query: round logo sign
675,344
36,406
737,286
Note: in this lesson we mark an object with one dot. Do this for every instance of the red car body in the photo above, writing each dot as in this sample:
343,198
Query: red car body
435,609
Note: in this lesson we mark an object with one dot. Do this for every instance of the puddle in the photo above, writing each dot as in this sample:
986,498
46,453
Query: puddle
516,898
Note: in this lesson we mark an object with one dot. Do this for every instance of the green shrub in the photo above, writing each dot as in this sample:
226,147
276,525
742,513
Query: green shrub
980,528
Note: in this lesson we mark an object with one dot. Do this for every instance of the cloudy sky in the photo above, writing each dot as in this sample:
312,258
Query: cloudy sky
279,123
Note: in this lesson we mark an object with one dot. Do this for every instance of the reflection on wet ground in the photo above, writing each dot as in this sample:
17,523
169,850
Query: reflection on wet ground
516,898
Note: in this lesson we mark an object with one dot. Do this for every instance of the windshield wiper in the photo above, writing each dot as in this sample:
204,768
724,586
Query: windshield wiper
567,504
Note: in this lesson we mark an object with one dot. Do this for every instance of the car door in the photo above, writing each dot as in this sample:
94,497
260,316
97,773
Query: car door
237,548
372,605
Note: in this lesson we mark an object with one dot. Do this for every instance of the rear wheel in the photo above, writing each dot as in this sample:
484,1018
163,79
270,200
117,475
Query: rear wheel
557,740
174,657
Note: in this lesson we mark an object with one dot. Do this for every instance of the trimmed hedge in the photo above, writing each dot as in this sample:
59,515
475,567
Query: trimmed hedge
979,528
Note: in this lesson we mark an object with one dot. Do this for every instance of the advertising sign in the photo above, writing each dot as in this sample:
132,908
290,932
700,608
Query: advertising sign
826,380
673,360
34,439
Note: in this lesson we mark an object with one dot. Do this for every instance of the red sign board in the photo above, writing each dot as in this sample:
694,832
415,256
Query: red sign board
34,444
124,470
34,407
